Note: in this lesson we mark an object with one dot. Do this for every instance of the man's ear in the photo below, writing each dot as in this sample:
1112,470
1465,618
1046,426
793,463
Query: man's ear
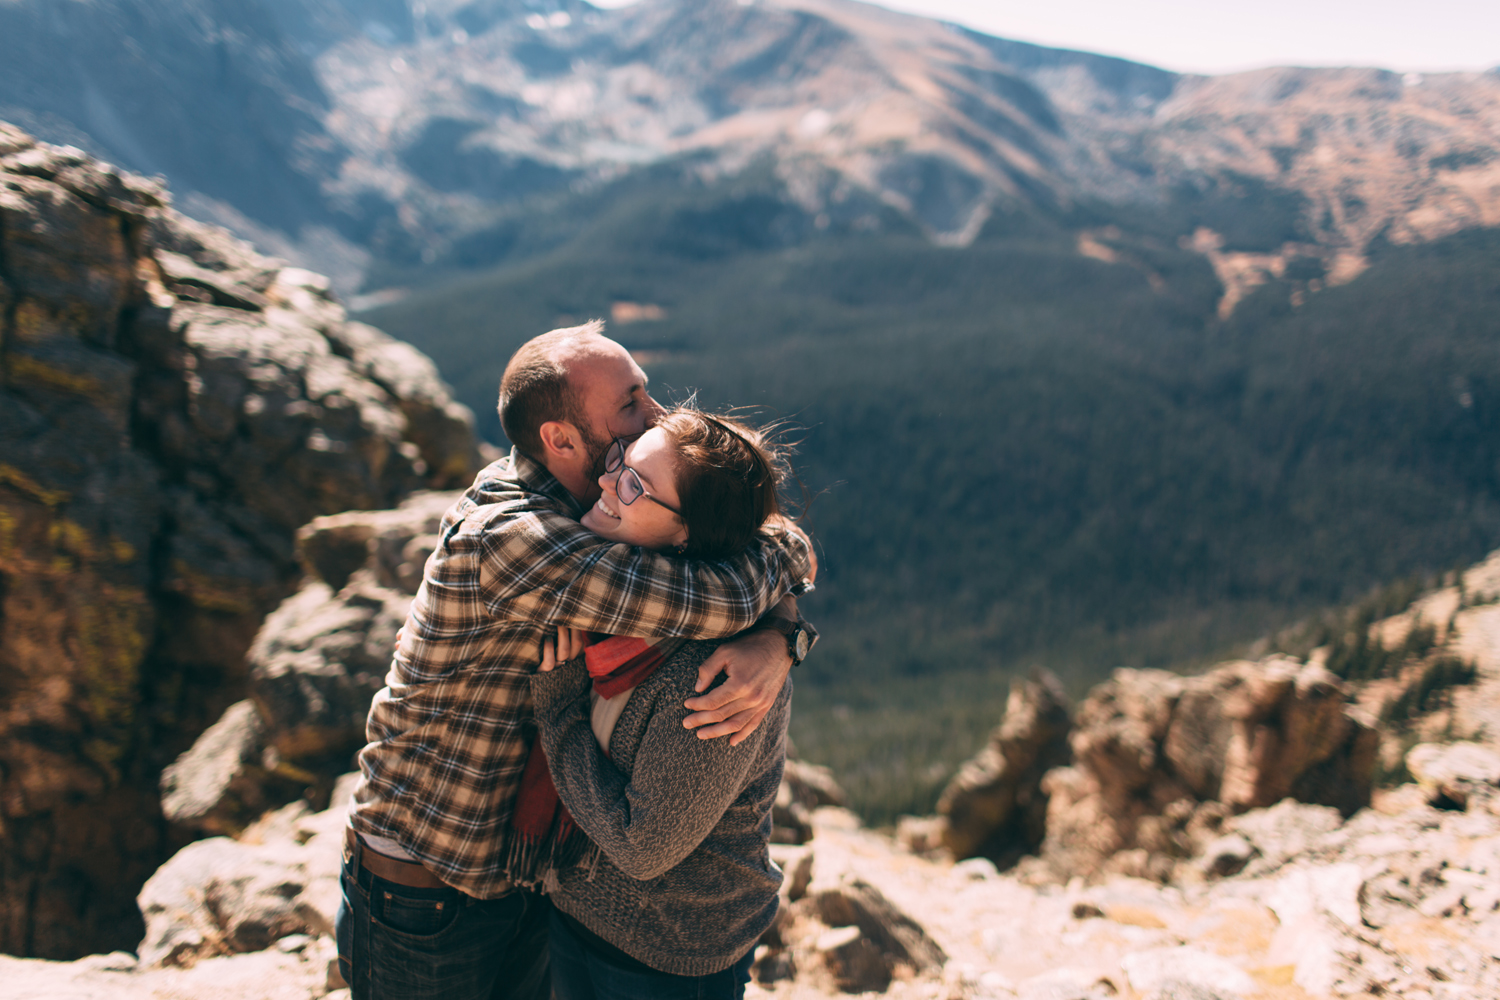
560,439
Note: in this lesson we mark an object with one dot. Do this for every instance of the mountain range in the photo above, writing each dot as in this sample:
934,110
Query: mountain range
353,134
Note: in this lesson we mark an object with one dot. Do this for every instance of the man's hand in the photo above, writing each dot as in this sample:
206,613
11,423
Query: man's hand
756,665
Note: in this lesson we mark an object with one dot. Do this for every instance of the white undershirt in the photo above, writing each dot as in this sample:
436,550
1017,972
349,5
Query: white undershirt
604,713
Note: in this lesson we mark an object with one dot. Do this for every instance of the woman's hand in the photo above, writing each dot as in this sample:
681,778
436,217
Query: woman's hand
568,644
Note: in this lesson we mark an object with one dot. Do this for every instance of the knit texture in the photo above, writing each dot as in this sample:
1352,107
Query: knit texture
683,879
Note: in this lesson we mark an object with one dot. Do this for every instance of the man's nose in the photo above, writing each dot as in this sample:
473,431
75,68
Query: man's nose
654,411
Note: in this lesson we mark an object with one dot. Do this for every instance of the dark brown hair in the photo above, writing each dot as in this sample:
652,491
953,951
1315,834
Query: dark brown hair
535,388
729,475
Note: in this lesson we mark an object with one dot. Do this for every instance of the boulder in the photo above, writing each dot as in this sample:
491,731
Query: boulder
217,897
995,805
1452,774
804,787
175,406
1161,760
218,785
856,903
315,664
222,896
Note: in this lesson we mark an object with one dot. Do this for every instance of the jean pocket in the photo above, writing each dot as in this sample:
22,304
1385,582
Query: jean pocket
416,916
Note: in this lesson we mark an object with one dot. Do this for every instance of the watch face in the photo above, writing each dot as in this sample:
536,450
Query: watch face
803,644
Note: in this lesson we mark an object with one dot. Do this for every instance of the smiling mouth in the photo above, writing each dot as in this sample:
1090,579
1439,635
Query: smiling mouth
605,510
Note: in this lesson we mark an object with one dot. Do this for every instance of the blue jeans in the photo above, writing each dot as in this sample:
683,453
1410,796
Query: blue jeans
398,943
580,973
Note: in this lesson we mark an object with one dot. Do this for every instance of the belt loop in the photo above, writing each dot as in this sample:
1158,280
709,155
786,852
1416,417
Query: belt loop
354,850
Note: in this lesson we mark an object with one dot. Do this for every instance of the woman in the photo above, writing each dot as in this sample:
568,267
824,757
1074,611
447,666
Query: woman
680,885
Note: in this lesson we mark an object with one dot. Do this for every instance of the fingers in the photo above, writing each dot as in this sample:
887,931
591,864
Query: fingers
716,664
749,726
575,640
569,643
549,659
731,727
705,704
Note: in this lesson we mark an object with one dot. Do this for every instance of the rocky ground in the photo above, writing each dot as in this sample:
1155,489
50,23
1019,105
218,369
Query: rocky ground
1398,900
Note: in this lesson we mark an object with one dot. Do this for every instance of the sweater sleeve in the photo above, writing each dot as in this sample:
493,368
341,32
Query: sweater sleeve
648,821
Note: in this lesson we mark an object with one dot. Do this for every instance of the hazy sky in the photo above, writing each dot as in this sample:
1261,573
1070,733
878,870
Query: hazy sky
1217,36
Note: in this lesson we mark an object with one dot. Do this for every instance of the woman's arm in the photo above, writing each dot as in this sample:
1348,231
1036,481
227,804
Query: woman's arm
650,820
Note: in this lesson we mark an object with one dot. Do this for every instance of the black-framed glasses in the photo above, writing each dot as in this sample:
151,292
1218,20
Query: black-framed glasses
628,486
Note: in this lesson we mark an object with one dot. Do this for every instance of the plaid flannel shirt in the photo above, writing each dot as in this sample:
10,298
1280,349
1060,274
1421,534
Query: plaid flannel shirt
450,732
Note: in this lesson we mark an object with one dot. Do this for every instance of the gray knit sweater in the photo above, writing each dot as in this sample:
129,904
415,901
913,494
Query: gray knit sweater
685,882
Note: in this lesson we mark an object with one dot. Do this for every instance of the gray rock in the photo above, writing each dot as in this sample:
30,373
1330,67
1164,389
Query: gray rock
218,785
317,661
217,897
323,653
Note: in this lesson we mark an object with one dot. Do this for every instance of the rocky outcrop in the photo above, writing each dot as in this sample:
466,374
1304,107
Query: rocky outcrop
837,932
995,806
804,787
174,407
1160,760
314,666
222,896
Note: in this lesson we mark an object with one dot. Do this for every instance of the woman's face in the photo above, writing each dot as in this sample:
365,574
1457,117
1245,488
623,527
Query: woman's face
643,523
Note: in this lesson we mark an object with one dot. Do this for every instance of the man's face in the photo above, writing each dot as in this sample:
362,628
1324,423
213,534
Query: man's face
611,392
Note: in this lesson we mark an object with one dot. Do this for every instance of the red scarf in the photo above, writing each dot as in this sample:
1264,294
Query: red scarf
617,663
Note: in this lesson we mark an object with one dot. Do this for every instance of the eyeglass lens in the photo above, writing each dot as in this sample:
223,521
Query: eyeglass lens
628,487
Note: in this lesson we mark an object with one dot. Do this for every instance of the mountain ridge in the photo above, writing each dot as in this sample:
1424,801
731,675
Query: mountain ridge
410,130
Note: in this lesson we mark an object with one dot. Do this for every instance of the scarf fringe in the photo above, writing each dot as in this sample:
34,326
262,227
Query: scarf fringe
530,861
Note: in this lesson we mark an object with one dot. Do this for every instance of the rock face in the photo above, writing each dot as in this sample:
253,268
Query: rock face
174,407
995,805
314,665
1160,760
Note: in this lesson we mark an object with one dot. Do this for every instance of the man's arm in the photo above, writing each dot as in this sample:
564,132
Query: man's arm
542,567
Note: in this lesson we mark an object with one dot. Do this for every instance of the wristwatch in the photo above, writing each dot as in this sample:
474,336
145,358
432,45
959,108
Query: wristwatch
800,635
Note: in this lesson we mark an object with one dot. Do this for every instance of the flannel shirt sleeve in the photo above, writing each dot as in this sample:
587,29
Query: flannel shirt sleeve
545,568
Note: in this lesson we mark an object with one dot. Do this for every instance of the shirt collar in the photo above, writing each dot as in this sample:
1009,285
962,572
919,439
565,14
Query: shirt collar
535,476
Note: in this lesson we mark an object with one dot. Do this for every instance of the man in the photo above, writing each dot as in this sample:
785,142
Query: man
438,885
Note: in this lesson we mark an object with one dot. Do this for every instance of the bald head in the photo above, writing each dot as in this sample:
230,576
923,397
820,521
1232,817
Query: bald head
535,387
575,377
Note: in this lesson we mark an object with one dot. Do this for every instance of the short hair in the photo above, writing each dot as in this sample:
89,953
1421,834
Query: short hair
535,387
729,475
